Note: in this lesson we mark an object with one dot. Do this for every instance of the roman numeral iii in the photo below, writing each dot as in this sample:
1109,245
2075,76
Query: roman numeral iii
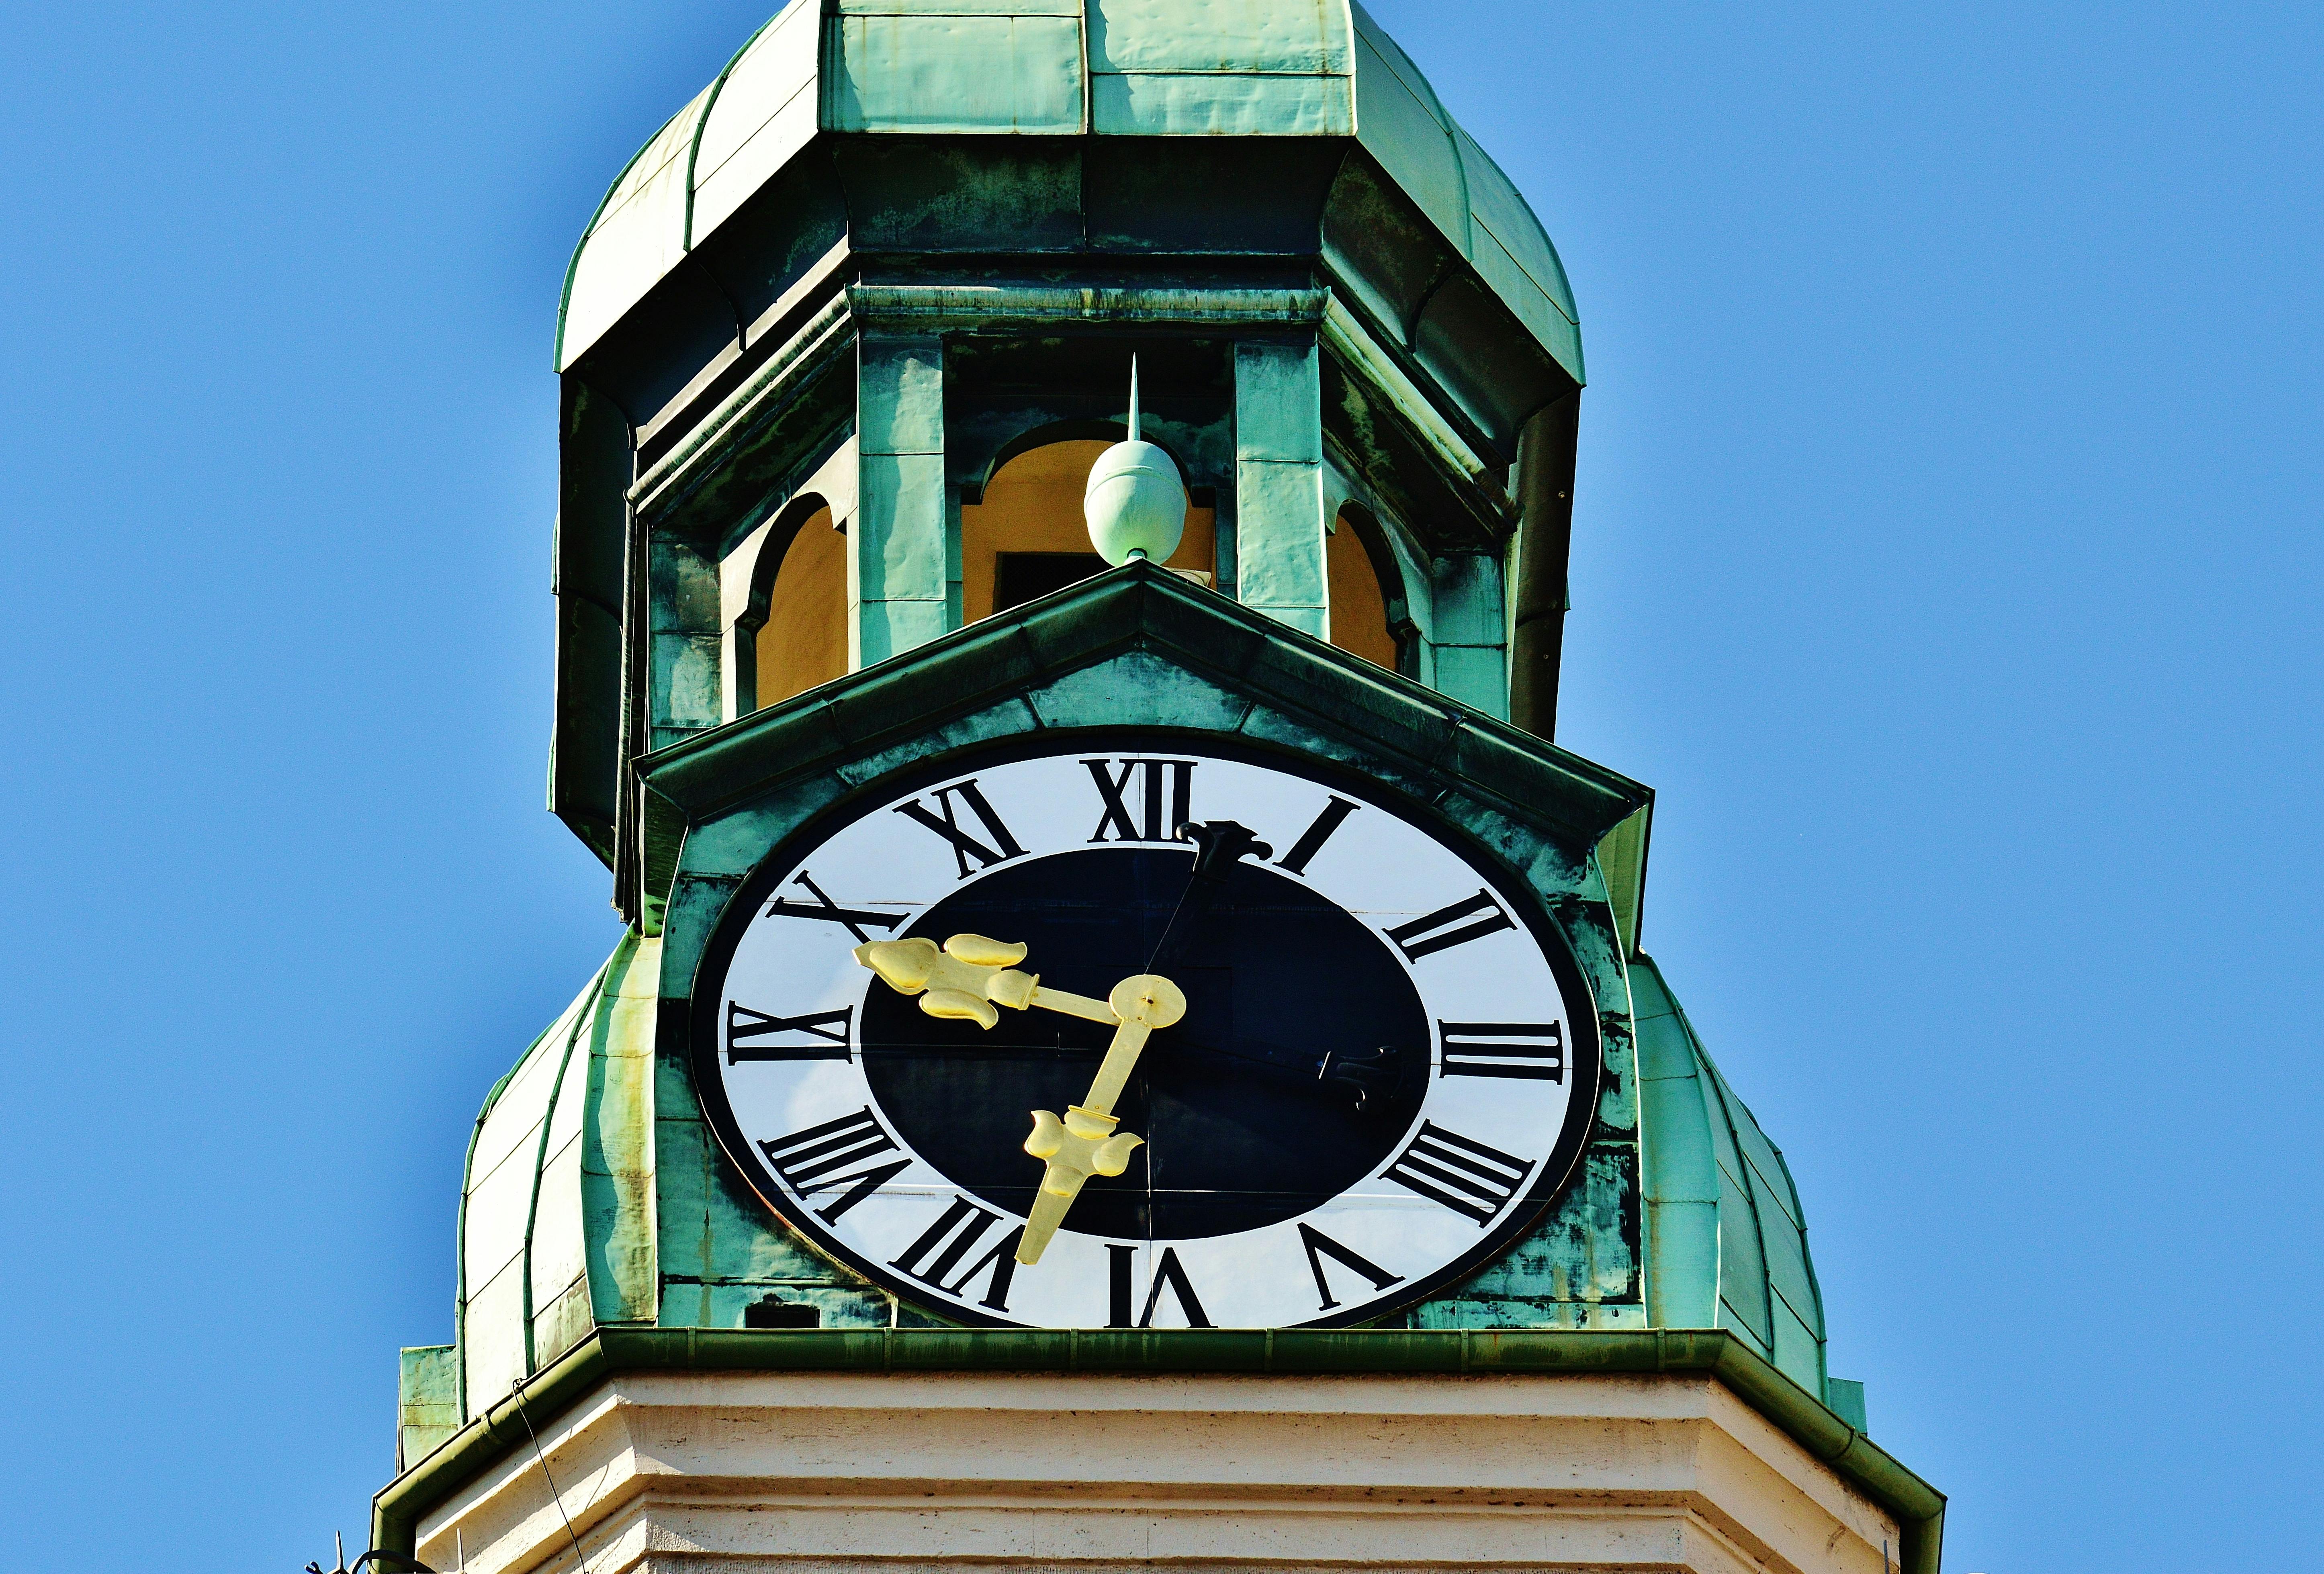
825,1158
1446,927
945,821
1502,1049
828,1029
1473,1179
1149,822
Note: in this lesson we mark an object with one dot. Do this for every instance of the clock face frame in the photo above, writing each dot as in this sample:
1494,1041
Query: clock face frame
1388,1068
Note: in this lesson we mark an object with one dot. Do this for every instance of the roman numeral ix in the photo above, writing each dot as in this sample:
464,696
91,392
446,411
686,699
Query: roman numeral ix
945,823
852,919
1444,929
1149,823
829,1028
823,1158
1470,1178
934,1257
1502,1049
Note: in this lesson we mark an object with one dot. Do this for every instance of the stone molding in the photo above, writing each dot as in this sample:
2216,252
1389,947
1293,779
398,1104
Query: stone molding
666,1472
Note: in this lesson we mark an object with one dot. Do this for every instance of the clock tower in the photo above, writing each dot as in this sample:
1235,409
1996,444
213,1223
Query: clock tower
1132,1043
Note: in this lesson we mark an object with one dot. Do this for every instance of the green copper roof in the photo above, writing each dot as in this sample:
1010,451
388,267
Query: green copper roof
1726,1241
1058,68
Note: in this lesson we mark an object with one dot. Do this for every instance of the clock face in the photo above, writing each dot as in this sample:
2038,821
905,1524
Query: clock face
1385,1066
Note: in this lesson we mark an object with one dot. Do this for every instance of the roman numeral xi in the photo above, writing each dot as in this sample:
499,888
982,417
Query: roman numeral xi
945,821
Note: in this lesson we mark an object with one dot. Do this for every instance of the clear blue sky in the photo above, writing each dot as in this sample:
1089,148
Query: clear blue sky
1947,554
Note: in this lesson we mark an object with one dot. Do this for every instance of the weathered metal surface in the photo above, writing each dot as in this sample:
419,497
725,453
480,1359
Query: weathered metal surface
1279,483
1107,69
1726,1238
1139,647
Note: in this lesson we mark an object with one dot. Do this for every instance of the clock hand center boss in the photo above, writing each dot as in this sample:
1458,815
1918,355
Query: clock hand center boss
972,975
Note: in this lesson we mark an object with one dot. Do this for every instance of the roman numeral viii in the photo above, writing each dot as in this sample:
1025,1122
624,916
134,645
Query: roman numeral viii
826,1157
1502,1049
932,1258
945,821
828,1029
1140,818
1446,927
1470,1178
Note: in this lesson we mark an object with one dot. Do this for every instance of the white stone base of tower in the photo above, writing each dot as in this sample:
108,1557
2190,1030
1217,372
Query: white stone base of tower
689,1472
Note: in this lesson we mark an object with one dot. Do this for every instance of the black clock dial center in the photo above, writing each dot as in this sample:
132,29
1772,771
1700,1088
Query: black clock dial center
1299,1065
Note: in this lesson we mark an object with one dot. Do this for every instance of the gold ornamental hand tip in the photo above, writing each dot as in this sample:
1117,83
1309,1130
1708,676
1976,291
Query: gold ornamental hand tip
1085,1142
963,979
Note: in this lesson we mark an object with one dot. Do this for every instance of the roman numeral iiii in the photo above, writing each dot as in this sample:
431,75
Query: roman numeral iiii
1473,1179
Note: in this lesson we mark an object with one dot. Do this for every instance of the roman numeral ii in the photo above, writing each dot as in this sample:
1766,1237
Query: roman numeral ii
1445,927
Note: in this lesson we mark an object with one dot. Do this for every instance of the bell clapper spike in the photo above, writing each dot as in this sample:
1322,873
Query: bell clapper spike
1135,503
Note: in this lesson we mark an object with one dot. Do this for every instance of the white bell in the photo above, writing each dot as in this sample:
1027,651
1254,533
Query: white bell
1135,503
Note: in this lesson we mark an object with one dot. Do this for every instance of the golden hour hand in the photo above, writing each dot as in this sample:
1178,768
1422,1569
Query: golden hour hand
1084,1142
966,979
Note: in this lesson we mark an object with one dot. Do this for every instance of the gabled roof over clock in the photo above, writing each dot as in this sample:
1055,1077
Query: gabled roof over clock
596,1195
1060,69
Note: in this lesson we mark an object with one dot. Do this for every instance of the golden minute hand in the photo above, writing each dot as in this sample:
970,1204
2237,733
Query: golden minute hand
1085,1142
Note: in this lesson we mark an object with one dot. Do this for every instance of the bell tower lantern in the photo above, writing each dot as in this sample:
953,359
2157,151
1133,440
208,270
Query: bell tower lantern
1131,1042
839,346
